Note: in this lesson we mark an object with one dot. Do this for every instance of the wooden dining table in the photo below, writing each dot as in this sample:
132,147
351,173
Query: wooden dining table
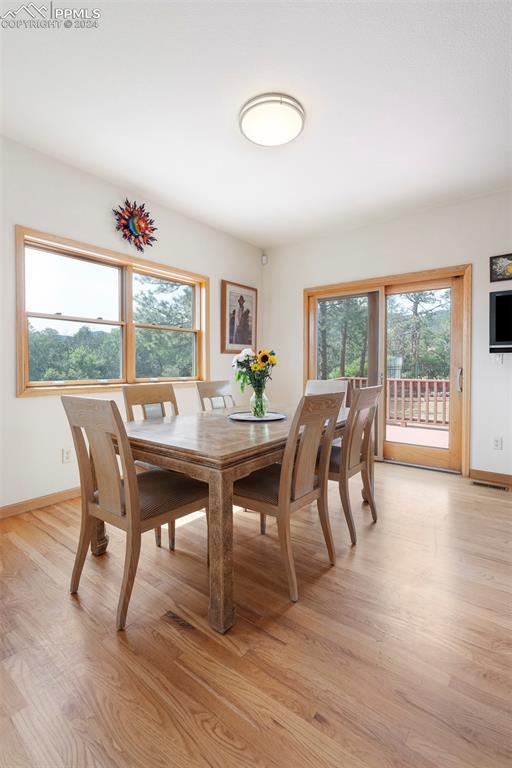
211,447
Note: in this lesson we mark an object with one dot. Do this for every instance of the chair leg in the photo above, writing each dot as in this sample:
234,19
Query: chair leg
131,561
172,534
158,536
368,492
87,524
345,503
263,523
283,530
370,462
323,513
207,537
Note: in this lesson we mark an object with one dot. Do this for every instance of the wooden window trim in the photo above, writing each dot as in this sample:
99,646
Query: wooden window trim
128,264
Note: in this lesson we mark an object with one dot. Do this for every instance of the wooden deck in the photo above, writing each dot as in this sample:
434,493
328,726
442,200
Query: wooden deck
397,657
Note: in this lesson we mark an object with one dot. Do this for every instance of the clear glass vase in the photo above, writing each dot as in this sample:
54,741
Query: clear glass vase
259,403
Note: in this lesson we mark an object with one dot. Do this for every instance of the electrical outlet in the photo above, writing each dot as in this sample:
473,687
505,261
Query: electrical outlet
67,455
497,443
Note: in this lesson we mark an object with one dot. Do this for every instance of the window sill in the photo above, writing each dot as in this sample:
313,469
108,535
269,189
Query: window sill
72,389
83,389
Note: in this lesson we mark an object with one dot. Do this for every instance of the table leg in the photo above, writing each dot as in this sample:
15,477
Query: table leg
220,527
99,542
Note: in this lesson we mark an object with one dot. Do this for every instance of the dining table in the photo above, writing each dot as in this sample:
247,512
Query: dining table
211,447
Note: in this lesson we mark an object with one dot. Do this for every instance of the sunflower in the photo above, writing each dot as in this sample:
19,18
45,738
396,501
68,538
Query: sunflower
263,357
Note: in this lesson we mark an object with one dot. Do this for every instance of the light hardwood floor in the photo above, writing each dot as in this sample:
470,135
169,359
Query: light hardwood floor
399,656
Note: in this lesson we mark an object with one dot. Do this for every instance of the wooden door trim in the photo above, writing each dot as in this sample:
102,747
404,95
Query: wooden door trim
464,271
419,455
456,341
452,457
467,318
426,285
370,283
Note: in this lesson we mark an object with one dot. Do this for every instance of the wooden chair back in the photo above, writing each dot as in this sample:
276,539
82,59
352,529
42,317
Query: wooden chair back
100,422
217,394
312,430
326,386
152,399
358,430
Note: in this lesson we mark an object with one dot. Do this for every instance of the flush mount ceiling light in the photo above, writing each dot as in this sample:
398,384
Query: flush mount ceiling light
272,119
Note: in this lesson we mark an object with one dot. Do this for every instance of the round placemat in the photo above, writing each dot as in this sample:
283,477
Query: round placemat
247,416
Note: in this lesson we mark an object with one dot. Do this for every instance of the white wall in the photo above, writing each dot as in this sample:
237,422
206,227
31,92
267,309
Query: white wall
469,232
43,194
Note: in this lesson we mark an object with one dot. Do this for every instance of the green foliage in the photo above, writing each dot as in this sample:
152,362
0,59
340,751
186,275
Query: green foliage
150,304
342,337
86,354
94,351
164,353
419,333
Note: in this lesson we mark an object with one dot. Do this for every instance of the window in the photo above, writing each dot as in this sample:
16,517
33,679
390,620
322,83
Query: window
89,319
165,340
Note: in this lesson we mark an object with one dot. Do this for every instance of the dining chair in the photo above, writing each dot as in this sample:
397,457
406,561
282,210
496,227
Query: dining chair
326,386
353,455
282,489
135,503
217,394
152,399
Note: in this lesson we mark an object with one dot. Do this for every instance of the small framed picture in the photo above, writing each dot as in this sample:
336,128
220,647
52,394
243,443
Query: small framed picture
239,305
501,267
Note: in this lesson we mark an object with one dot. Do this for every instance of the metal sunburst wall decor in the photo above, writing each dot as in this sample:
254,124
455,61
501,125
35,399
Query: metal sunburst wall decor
135,224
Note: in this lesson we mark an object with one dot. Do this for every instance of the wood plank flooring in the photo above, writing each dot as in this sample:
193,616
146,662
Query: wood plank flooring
400,656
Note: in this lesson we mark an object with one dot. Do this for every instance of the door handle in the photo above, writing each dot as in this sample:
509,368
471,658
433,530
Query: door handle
460,379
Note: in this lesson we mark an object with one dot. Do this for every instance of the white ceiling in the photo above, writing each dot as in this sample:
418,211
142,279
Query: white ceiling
408,104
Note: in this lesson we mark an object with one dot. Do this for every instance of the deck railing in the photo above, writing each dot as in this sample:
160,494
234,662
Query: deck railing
415,401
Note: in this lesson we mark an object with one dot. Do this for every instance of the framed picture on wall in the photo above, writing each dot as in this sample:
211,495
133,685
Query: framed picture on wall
501,267
239,306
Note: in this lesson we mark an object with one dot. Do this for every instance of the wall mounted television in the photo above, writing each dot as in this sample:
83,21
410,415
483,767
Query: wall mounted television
500,337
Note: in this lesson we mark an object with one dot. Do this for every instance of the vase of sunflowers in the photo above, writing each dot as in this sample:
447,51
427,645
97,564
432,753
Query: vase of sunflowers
254,370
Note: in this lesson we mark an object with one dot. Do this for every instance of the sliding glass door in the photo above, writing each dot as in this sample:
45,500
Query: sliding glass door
407,334
347,341
424,376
